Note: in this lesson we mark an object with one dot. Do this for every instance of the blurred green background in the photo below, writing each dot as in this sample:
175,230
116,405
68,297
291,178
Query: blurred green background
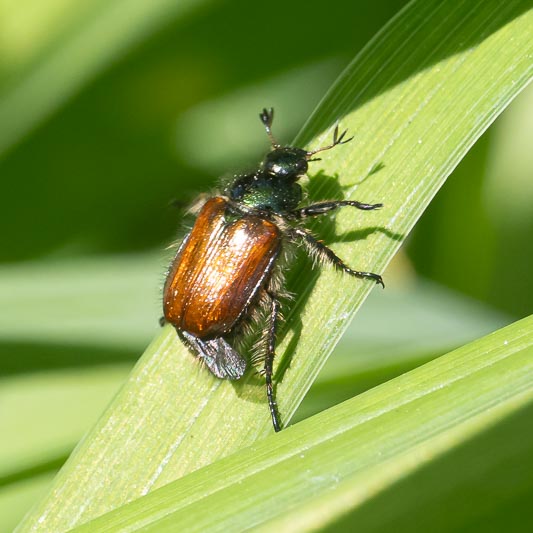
110,110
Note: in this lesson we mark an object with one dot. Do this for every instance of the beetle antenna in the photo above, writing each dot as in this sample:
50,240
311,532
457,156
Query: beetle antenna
337,139
267,116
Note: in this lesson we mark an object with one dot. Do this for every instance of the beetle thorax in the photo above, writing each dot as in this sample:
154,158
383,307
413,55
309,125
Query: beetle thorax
273,187
266,192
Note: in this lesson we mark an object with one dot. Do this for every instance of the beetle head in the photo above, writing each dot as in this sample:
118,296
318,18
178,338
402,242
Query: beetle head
286,162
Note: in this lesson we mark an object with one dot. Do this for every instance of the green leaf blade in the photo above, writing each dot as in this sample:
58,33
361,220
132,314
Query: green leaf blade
418,117
339,459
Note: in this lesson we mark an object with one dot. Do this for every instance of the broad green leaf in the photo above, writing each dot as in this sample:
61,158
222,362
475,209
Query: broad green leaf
55,408
417,97
470,233
45,414
482,484
340,459
396,331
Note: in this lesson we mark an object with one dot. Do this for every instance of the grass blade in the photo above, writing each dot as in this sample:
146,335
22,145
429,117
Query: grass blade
418,97
338,460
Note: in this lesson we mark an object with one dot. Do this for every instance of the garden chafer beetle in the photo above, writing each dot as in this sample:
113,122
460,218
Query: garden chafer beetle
228,267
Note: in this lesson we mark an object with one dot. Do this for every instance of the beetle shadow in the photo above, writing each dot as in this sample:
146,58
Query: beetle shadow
322,187
324,226
300,278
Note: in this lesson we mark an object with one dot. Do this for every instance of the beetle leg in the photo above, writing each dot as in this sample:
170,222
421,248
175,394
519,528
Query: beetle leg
325,207
326,254
269,360
162,321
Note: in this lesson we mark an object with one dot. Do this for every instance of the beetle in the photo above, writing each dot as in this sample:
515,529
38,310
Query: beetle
227,268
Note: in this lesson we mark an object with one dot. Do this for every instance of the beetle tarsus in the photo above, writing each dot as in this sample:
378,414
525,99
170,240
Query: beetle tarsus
325,207
369,275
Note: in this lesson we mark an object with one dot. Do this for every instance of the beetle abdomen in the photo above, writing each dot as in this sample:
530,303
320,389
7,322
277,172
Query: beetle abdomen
218,270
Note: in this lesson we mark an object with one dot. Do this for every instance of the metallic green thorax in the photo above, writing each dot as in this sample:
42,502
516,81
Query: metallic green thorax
273,187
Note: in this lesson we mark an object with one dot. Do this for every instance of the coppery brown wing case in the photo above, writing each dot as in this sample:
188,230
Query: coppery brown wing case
218,270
